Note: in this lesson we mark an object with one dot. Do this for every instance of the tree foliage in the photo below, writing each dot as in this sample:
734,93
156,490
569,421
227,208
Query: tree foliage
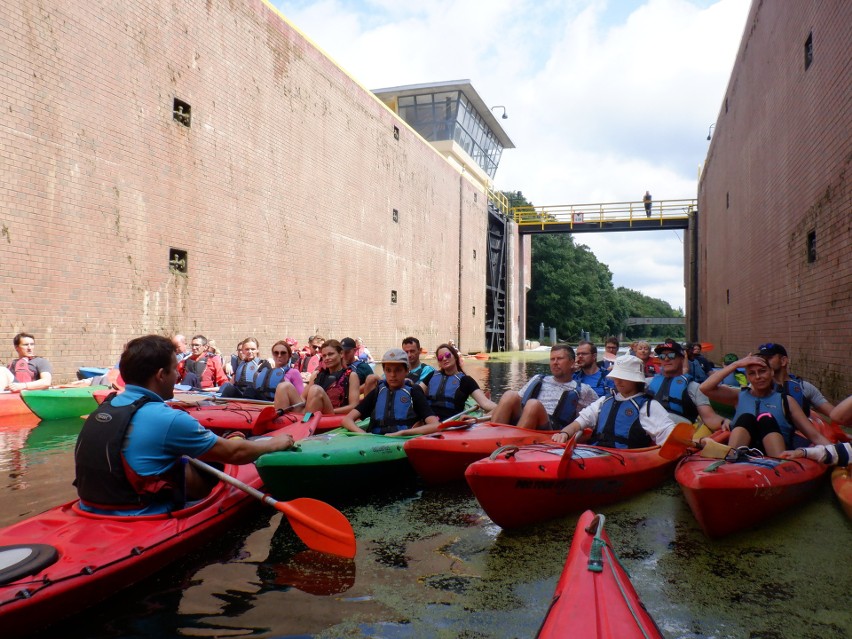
572,291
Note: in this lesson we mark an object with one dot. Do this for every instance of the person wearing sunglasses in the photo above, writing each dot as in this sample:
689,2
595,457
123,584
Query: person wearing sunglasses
806,394
547,402
765,418
678,393
271,382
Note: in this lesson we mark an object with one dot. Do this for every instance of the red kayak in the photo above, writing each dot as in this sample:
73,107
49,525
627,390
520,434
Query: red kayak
594,597
521,486
12,405
728,496
444,456
65,559
841,482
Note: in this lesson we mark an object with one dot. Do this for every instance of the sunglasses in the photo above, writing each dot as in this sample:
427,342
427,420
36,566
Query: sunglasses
280,353
667,356
441,358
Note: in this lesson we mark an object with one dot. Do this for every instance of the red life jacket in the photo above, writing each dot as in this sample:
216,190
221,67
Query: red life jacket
335,385
23,371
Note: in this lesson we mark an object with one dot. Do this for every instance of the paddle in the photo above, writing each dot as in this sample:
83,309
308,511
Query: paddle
678,441
241,400
320,526
454,420
268,415
567,454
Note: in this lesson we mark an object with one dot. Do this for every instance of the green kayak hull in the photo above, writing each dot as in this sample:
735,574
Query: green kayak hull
61,403
335,465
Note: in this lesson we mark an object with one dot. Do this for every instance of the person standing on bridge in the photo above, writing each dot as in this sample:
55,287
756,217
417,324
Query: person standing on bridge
647,201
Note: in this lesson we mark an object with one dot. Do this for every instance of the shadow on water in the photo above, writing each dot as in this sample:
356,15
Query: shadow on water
431,565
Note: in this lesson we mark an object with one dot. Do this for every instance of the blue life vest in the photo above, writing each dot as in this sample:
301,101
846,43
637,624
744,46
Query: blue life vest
566,408
394,409
619,425
597,381
672,393
735,379
443,389
246,371
793,388
696,371
775,404
267,380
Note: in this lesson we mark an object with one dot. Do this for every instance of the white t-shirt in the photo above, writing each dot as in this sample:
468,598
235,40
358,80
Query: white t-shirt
6,378
658,424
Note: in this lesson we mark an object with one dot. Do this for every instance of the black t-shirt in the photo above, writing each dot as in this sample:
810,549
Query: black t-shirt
467,385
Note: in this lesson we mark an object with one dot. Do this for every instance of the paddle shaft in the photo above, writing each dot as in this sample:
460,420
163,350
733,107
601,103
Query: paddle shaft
281,506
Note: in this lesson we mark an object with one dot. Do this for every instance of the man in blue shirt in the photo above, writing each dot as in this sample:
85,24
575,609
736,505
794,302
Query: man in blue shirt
588,371
128,454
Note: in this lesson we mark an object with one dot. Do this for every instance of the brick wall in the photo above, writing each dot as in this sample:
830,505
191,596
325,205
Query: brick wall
778,169
281,192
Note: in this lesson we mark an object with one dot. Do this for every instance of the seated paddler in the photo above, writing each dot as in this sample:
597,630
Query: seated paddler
129,454
396,405
626,419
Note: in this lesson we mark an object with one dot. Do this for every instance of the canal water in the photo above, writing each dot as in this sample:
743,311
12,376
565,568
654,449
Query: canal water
430,564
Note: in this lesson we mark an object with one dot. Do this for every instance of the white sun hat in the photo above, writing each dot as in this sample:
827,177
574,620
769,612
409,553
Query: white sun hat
629,368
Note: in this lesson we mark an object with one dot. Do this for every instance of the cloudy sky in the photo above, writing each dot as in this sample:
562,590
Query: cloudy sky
605,98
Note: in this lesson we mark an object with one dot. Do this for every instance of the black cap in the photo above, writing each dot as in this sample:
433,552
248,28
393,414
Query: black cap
669,345
770,349
347,344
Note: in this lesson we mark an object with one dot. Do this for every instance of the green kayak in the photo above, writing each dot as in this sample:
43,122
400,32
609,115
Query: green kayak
336,464
61,403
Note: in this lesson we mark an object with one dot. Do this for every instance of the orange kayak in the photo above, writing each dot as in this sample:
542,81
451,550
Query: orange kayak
841,481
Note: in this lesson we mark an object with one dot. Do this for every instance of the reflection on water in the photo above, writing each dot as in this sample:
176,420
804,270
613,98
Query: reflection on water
430,564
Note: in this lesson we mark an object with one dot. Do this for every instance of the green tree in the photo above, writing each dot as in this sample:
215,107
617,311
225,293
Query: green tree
640,305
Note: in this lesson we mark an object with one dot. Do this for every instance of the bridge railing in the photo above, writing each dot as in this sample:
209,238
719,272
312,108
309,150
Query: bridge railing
603,213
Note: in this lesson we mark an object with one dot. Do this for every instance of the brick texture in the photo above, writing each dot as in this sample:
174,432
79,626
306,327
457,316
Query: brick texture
777,170
281,192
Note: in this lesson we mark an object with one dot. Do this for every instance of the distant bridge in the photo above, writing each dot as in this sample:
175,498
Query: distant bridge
610,216
642,321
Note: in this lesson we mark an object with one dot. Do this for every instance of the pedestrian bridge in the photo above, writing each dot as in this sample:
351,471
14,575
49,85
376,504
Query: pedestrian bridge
610,216
663,321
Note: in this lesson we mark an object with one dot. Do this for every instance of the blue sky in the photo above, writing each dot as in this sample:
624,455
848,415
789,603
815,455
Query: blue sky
605,99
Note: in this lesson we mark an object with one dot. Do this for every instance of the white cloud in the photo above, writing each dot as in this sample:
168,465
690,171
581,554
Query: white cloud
605,99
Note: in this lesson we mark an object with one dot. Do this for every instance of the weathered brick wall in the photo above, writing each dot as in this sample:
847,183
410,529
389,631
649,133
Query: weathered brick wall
281,191
778,169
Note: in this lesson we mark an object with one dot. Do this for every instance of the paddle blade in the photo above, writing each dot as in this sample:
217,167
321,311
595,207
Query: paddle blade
320,526
264,420
679,441
567,454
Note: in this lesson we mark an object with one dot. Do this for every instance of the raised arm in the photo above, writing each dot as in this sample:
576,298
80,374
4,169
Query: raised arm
716,390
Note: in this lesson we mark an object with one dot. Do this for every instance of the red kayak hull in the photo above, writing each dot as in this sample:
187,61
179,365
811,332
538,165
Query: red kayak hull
99,555
841,482
12,405
593,604
729,497
233,416
520,487
444,456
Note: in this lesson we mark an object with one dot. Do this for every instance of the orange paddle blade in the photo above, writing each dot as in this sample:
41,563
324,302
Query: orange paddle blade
706,346
264,420
320,526
567,454
678,442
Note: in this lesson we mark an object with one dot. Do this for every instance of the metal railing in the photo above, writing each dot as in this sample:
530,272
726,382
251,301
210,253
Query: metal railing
500,201
604,213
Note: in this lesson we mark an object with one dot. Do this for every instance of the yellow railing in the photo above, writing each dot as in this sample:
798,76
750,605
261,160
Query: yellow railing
601,214
499,200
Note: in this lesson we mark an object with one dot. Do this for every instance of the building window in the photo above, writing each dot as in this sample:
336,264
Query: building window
727,200
728,295
177,261
182,113
811,247
396,216
393,297
396,133
809,50
474,253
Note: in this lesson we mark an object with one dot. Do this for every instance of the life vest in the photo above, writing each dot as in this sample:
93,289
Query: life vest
672,393
197,366
565,411
619,425
735,379
696,371
335,385
244,375
793,388
106,480
24,371
394,409
775,404
267,381
443,390
417,374
597,381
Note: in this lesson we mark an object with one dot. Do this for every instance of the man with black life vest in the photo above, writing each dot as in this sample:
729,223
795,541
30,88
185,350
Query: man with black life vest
245,373
678,393
547,402
396,405
587,370
806,394
362,368
30,372
203,368
627,419
129,452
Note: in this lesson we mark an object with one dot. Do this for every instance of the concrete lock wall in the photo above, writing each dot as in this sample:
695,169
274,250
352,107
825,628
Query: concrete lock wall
281,191
776,182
